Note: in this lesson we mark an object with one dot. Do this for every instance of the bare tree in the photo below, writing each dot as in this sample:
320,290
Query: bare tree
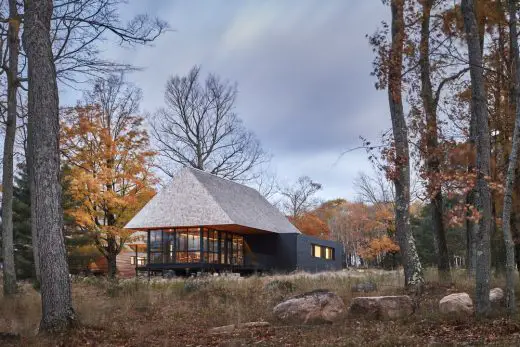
57,311
483,199
374,190
299,197
78,26
401,178
266,183
13,39
118,99
199,128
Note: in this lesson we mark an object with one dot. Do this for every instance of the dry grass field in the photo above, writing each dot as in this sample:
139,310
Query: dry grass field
179,312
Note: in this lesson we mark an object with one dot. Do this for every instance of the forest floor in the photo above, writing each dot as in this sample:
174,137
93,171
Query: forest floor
180,312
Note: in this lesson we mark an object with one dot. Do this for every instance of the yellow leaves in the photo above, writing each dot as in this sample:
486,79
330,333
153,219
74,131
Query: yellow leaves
110,175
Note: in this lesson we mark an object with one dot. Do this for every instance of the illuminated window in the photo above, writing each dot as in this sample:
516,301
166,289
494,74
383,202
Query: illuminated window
316,251
329,253
322,252
141,261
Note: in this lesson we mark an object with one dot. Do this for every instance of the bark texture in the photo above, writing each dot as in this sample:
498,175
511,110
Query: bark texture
34,229
483,193
513,158
432,155
9,270
57,311
411,262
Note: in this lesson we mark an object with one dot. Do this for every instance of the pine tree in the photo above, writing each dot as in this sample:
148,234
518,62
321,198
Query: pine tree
24,260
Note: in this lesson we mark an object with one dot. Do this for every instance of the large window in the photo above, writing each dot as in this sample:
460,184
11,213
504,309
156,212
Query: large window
210,246
156,247
323,252
238,250
193,245
141,261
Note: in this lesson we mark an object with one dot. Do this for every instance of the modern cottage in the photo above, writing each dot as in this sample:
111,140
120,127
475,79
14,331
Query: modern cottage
201,222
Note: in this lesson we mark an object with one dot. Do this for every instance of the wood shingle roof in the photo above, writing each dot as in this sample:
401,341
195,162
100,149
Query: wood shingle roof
198,198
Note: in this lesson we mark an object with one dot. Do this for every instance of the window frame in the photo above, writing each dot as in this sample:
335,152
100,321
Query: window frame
324,252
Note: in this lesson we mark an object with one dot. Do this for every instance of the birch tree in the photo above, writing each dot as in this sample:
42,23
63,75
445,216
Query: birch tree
400,174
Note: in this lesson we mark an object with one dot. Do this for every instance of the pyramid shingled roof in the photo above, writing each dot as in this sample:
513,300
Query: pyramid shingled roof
198,198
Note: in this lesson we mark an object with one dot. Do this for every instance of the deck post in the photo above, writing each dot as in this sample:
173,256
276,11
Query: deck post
136,262
148,252
201,247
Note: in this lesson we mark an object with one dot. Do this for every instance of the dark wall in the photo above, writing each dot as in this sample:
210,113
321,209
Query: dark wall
261,251
289,252
305,260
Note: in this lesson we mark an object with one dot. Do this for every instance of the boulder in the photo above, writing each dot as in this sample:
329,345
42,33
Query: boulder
456,303
320,306
382,307
496,295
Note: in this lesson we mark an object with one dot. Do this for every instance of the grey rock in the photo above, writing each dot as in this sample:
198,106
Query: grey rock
319,306
382,307
456,303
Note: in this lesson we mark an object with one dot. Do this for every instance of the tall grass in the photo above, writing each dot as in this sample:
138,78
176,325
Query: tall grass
145,311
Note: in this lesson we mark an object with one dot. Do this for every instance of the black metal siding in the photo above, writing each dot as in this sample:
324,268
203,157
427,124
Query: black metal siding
305,260
261,251
289,252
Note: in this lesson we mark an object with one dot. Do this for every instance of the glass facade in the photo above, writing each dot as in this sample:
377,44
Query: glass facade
195,245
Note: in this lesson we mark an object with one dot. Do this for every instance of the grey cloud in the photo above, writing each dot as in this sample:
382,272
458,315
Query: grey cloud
302,68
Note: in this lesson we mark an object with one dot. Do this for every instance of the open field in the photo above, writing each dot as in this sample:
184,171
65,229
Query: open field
180,312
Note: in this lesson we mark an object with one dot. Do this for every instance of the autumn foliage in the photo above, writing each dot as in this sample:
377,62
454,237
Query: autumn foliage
109,164
311,224
366,230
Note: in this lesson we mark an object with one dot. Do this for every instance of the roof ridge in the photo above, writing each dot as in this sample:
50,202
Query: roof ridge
215,200
222,178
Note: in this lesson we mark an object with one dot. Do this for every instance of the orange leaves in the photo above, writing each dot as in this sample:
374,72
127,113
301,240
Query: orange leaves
109,170
378,246
311,224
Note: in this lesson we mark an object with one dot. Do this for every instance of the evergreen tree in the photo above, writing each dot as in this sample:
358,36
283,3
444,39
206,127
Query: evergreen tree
24,260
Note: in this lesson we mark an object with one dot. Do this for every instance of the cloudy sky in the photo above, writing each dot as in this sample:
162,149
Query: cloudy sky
302,68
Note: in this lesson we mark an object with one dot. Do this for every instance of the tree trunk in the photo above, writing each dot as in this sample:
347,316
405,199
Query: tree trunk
57,311
513,158
112,266
483,199
432,155
8,163
111,256
471,253
34,229
411,262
